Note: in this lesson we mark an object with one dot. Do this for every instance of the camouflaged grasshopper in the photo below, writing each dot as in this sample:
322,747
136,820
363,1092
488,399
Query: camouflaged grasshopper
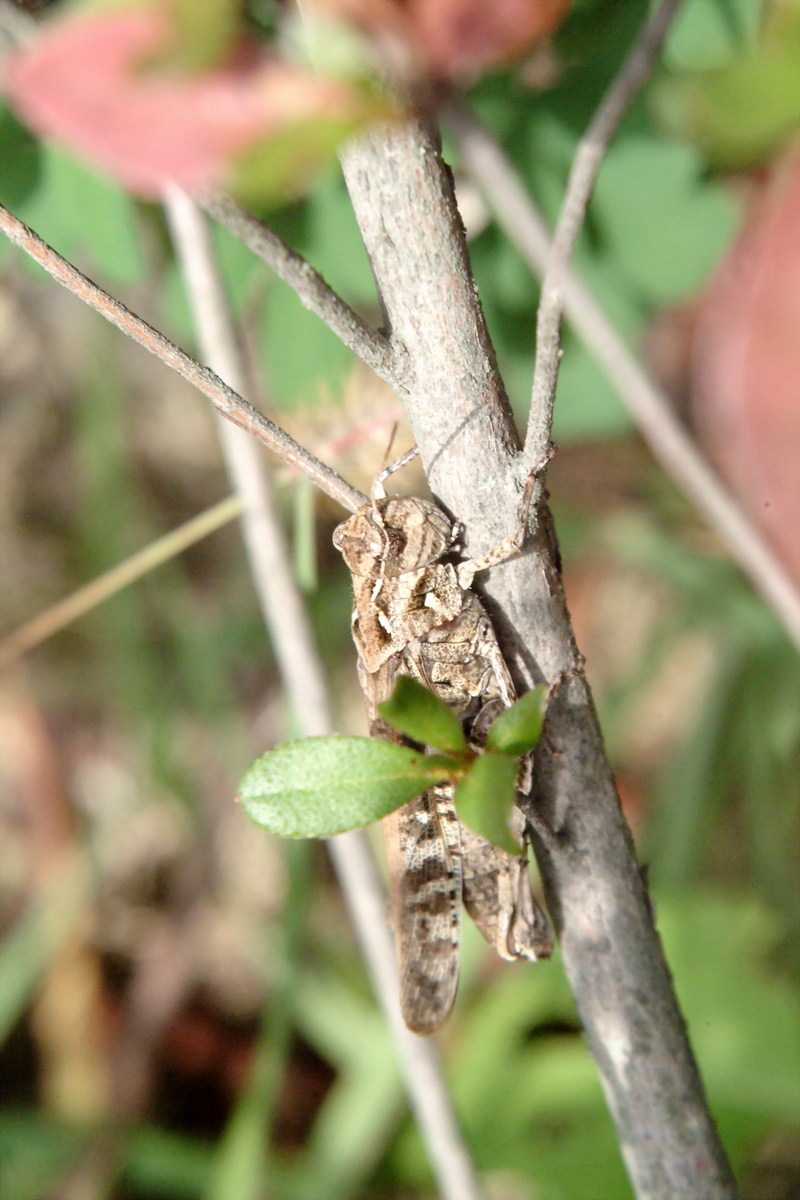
415,614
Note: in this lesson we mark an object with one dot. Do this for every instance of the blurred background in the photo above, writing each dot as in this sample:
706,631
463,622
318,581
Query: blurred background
183,1008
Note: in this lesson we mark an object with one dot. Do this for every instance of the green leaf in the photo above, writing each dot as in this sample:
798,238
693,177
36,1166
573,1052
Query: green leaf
28,949
739,115
285,162
302,357
84,216
646,186
517,729
205,33
707,33
19,154
420,715
321,786
485,795
331,239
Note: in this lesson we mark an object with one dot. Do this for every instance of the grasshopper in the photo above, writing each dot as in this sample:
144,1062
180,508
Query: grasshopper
414,613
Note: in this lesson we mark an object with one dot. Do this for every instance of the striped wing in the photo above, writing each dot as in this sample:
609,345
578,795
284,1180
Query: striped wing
423,845
423,853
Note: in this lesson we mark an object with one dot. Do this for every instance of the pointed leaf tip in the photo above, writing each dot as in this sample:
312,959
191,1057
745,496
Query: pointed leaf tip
517,729
421,715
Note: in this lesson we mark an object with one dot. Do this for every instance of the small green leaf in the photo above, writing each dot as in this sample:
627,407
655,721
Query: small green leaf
284,163
420,715
205,34
518,728
740,113
321,786
485,795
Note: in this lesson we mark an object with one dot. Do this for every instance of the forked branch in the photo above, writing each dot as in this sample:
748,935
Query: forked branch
225,400
374,349
650,408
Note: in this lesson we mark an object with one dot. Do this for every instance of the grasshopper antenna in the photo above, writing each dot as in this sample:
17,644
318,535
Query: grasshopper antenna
378,490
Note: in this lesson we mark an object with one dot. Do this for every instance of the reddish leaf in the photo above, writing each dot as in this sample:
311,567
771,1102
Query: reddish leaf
89,80
452,38
746,362
463,36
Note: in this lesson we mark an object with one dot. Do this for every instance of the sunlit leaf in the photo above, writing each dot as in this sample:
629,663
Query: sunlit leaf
420,715
454,38
485,795
321,786
205,33
517,729
99,82
740,113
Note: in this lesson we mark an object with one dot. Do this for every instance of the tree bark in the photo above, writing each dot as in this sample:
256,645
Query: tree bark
404,201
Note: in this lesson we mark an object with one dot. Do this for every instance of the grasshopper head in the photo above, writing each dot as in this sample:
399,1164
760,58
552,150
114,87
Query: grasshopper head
389,537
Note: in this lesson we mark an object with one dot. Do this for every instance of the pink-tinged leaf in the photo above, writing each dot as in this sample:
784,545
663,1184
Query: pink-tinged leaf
463,36
451,39
93,81
746,361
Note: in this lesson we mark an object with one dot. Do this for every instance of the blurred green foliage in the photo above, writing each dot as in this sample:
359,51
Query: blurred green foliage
173,675
736,109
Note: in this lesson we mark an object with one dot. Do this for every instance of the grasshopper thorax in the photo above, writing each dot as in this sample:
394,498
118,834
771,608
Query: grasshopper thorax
389,537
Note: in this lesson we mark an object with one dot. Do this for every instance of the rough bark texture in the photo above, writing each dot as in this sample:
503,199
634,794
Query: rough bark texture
403,197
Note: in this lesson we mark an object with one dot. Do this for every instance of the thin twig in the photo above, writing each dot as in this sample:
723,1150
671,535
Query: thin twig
301,669
225,400
649,406
269,560
583,172
386,358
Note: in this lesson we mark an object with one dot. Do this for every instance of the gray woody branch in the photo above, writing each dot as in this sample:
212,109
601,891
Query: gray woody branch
404,201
